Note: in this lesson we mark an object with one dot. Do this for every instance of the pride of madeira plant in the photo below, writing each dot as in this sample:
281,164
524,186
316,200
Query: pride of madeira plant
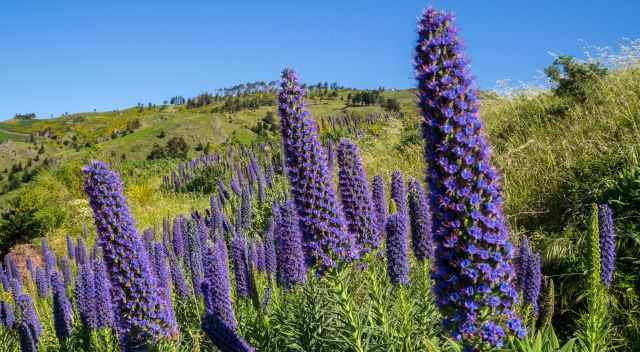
473,273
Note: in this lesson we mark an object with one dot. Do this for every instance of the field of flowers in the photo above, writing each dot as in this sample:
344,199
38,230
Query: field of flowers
301,250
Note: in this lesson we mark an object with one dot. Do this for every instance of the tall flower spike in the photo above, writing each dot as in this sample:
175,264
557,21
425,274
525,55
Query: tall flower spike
420,221
177,277
399,192
290,258
397,249
270,248
193,256
85,293
607,244
28,342
325,238
61,308
240,268
215,287
223,336
28,315
245,208
522,262
379,201
7,315
533,280
356,200
178,237
137,305
103,306
42,283
164,285
71,252
473,272
65,266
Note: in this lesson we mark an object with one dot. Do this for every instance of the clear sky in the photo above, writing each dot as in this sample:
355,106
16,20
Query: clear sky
73,56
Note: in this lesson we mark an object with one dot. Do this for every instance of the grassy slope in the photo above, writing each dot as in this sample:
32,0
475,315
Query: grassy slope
537,149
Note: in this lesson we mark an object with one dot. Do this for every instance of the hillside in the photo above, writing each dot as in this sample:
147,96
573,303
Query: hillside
557,154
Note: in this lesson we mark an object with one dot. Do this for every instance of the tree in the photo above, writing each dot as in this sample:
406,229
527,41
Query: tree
177,148
571,78
157,152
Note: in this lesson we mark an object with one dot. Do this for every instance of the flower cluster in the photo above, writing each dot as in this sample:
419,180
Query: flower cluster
136,303
325,238
607,244
290,258
420,221
356,199
473,271
379,201
397,248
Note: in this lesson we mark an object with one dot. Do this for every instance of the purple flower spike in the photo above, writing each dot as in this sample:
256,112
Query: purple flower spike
223,336
356,200
397,249
137,305
7,315
260,256
399,192
28,342
290,259
607,244
240,268
71,252
325,238
178,237
103,306
533,280
245,208
420,221
164,285
473,273
85,293
42,283
28,316
522,262
379,202
61,308
177,277
65,266
215,287
270,262
193,256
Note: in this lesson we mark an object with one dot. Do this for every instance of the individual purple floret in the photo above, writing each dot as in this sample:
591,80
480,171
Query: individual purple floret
240,268
290,259
137,305
85,293
473,273
399,192
178,237
42,283
533,281
420,221
379,202
325,238
7,315
607,244
61,308
103,306
28,315
223,336
215,287
356,200
397,249
71,252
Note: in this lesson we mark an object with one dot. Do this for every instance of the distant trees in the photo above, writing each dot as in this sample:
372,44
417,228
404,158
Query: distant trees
30,116
372,97
177,100
176,147
571,78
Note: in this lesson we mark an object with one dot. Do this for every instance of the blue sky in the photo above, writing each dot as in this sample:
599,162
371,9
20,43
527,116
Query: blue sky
72,56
